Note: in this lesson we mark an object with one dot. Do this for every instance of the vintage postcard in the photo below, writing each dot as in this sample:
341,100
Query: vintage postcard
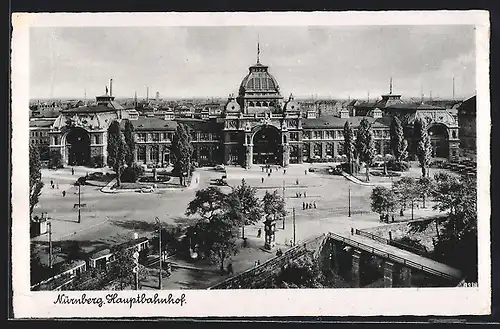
250,164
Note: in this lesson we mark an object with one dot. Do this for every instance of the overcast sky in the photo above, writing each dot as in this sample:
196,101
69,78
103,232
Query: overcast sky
329,61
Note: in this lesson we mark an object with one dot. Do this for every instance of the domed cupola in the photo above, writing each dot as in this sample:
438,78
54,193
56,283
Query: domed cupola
291,105
232,106
259,91
258,80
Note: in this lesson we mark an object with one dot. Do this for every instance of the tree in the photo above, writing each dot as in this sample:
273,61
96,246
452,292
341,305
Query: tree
128,134
407,191
423,145
456,242
116,150
424,186
123,267
207,203
365,145
274,205
383,200
243,206
182,151
220,238
399,144
55,159
349,144
35,173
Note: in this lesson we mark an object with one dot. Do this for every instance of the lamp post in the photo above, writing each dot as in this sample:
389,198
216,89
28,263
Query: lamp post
157,220
79,204
49,224
284,202
349,201
294,241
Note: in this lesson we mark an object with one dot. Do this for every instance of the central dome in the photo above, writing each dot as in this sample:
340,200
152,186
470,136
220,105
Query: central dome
259,80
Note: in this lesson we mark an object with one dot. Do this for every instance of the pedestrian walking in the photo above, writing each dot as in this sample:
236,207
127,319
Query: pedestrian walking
271,170
305,172
51,183
63,193
279,252
297,181
305,195
269,174
284,171
258,262
297,195
262,179
262,169
72,171
230,268
314,204
310,205
303,205
259,232
52,186
307,206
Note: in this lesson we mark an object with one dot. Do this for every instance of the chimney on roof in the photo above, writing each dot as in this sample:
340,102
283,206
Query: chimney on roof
110,87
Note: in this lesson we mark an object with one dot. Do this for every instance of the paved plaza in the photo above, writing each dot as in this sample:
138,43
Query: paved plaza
108,219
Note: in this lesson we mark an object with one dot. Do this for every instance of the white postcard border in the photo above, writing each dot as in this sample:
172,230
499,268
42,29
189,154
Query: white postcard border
300,302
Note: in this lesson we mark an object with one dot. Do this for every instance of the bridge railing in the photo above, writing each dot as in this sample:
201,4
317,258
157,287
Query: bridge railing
296,251
391,242
385,254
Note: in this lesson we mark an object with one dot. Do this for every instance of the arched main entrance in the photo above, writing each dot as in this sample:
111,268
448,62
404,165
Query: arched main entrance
438,134
78,143
266,146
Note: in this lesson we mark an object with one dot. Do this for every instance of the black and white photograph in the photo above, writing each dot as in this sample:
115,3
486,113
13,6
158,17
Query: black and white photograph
244,156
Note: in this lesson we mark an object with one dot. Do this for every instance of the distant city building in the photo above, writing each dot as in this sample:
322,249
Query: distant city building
467,122
257,126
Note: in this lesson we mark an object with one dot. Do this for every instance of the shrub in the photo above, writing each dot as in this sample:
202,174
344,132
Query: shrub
398,166
132,174
410,244
347,168
97,161
55,160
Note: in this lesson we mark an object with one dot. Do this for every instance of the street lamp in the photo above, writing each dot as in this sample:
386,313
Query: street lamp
283,202
349,201
157,220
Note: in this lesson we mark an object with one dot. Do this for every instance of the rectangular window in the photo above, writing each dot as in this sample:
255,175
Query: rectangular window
141,154
141,137
155,137
329,149
317,135
306,135
165,136
294,136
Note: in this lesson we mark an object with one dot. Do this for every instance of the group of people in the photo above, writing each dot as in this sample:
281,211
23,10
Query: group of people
54,185
299,194
309,205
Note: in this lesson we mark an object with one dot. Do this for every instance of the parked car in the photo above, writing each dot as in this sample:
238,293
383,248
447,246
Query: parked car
312,169
220,167
147,189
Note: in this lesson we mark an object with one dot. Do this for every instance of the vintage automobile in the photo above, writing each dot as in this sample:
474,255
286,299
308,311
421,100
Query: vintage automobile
147,189
220,167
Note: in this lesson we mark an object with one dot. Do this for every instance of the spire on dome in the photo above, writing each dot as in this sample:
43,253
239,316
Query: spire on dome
291,97
258,50
390,86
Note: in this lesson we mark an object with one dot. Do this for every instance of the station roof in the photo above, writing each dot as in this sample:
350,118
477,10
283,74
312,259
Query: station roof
331,121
